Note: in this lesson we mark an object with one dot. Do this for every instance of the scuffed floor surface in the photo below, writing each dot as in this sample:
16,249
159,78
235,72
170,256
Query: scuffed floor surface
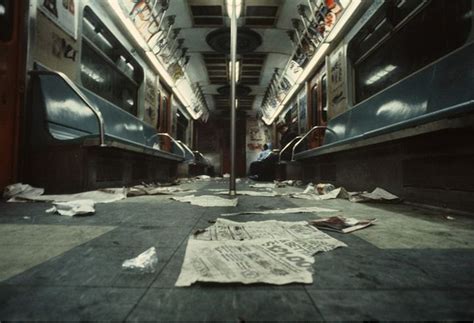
414,264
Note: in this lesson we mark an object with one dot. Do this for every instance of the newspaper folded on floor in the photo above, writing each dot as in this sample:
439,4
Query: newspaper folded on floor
285,211
71,208
207,200
336,193
377,195
341,224
247,262
15,192
298,235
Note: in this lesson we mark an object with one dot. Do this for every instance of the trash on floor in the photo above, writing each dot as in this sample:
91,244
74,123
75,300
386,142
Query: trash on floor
139,190
263,185
251,193
377,195
71,208
20,192
145,262
203,178
336,193
285,211
341,224
100,196
299,235
328,191
324,188
246,262
206,200
272,252
226,175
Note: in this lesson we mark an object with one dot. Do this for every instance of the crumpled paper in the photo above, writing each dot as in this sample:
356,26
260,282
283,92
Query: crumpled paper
145,262
71,208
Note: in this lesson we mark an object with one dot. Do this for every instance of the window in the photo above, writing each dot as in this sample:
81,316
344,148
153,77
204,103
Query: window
182,127
107,69
403,37
6,20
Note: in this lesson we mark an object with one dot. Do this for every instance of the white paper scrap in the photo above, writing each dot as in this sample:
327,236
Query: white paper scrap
263,185
207,200
285,211
71,208
247,262
144,262
336,193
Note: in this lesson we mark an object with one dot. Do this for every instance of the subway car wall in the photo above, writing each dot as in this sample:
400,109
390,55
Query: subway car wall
361,94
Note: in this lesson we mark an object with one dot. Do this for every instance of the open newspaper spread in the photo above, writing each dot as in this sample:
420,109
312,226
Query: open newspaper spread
273,252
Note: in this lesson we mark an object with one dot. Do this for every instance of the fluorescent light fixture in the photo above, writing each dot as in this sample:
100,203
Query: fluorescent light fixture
2,10
160,69
163,73
348,12
236,103
238,6
237,71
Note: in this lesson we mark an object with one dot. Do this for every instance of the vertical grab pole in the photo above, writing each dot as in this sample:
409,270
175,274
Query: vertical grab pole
233,45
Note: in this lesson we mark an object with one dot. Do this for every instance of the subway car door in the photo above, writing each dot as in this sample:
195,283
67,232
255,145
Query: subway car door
11,85
164,120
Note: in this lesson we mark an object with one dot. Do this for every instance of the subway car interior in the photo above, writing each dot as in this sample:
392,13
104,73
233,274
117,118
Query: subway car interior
237,160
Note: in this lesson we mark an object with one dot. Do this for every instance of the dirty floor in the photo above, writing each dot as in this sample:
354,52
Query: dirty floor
414,264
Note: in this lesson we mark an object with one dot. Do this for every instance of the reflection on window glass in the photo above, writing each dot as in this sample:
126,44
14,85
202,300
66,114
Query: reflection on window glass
6,20
434,29
107,69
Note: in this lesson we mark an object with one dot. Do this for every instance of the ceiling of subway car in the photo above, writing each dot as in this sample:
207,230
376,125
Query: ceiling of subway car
263,45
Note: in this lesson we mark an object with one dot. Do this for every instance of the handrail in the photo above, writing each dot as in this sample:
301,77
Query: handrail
172,139
306,135
286,147
187,148
84,99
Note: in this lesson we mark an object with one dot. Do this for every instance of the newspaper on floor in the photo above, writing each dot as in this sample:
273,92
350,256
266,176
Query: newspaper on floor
207,200
327,192
377,195
139,190
341,224
334,194
71,208
299,235
263,185
312,209
251,261
145,262
35,195
273,252
251,193
15,192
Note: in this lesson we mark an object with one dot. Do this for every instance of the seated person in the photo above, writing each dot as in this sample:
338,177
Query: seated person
263,169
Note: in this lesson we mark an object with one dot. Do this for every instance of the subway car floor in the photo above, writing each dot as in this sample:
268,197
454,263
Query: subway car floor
414,264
